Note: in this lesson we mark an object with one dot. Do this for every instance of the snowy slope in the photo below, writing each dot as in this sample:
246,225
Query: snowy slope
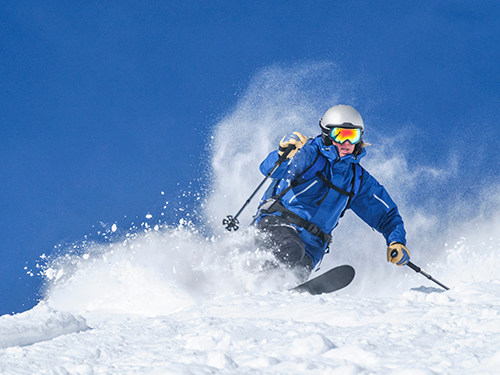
118,314
277,333
190,299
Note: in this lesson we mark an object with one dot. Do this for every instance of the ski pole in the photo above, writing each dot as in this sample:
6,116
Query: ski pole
231,222
417,269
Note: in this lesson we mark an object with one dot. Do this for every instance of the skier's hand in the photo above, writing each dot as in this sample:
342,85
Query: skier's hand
398,253
296,139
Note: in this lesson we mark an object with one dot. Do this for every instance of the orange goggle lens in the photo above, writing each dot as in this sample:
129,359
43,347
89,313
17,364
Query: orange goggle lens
340,135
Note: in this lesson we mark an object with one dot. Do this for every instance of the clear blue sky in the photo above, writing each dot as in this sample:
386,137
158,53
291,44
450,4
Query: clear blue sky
105,104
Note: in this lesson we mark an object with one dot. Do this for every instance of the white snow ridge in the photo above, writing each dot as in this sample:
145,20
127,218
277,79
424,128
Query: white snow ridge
38,324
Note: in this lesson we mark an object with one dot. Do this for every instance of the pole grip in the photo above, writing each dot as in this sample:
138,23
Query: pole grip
285,153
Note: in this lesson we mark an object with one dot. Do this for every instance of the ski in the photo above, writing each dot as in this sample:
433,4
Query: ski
330,281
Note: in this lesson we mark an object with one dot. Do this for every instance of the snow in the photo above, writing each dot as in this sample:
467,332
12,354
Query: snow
191,299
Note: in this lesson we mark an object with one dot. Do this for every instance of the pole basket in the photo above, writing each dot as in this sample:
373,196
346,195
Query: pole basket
231,223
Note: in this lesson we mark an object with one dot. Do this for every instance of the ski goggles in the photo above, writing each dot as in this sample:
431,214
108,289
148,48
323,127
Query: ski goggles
341,135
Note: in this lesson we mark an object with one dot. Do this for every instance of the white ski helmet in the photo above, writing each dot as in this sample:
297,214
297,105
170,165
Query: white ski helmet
341,115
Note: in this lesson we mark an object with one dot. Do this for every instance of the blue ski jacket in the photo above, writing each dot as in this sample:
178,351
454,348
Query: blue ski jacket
314,201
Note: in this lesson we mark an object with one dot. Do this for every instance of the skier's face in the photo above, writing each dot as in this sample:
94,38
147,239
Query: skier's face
344,148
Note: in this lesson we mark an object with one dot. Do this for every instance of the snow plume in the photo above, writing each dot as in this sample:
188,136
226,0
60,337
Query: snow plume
158,271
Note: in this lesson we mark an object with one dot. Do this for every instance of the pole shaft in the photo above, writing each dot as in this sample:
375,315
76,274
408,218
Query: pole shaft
417,269
281,159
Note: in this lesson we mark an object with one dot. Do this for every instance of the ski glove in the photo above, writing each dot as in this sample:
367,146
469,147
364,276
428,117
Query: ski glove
296,139
398,253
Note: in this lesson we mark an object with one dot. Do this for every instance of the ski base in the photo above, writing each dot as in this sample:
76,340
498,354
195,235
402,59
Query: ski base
330,281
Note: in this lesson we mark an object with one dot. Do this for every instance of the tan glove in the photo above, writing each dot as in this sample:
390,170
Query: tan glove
398,253
296,139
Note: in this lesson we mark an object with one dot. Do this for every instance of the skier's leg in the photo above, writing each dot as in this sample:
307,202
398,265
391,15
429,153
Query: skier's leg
278,235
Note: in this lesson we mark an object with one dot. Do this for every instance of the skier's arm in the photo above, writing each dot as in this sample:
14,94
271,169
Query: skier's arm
376,208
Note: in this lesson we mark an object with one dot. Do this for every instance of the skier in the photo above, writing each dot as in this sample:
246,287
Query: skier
311,190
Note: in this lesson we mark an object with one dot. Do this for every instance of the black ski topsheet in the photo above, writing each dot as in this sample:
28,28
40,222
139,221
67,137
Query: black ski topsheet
330,281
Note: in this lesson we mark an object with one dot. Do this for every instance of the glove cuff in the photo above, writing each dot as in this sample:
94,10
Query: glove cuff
396,242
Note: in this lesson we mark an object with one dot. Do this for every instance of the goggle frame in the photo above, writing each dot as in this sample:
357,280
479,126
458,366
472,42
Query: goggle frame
339,134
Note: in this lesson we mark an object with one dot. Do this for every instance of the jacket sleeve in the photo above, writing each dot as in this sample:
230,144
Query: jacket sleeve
268,164
376,208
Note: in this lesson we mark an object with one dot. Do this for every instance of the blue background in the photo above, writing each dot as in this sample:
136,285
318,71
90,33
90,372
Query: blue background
104,105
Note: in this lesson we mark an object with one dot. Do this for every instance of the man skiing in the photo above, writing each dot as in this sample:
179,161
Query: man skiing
318,181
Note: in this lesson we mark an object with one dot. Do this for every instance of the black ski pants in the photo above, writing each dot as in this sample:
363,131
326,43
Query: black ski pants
278,235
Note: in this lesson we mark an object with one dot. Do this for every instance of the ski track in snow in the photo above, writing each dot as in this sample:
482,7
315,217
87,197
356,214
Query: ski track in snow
170,301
